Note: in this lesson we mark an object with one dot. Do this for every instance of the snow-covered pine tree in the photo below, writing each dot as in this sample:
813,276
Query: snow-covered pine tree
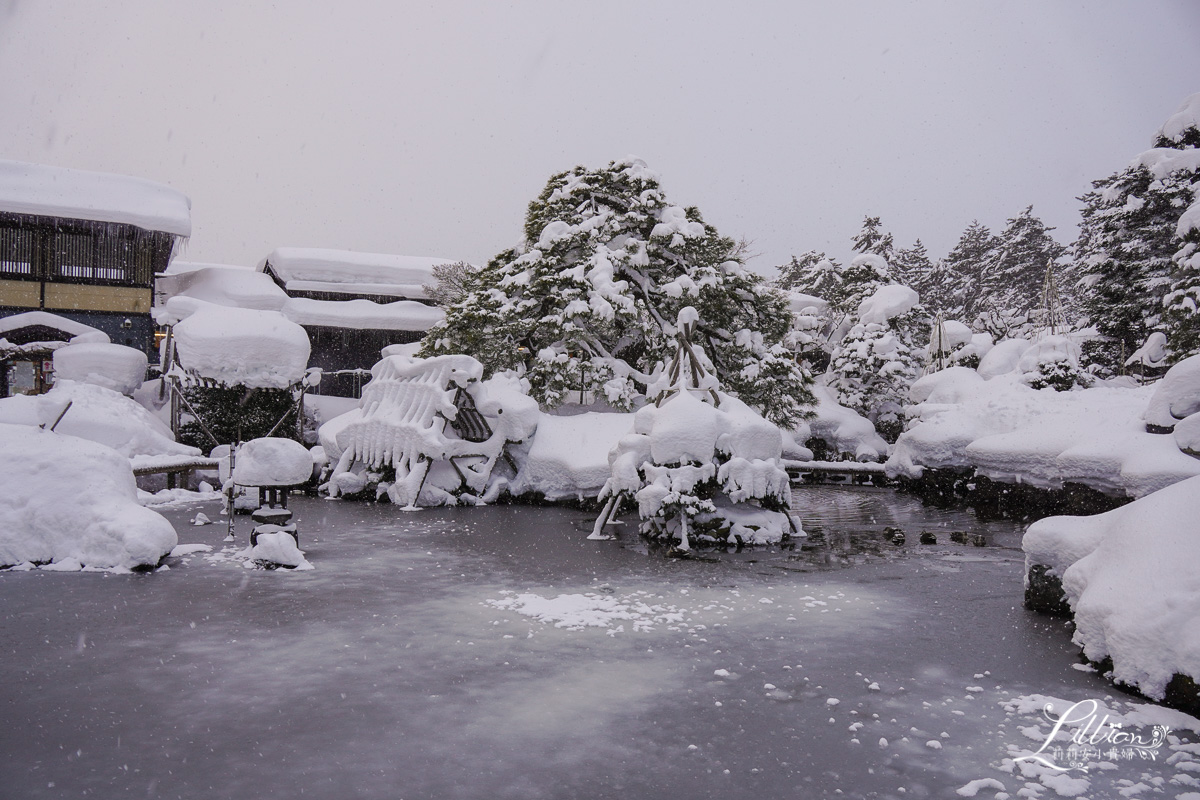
912,266
860,278
1012,280
1182,303
586,303
812,273
956,288
881,356
871,239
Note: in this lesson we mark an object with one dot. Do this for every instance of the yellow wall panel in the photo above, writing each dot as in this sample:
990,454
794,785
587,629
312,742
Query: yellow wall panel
75,297
22,294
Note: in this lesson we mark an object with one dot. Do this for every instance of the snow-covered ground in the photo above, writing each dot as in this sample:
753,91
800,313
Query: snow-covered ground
1010,432
495,652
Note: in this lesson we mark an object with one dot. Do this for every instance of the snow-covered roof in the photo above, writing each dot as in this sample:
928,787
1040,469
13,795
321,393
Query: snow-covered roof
320,270
224,285
402,315
78,194
45,318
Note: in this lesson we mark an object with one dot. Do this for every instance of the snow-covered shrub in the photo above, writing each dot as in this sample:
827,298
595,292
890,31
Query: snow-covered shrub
412,434
701,463
835,432
584,303
1003,358
73,502
1053,362
879,359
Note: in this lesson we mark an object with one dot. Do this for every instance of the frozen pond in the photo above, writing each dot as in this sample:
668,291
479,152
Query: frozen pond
432,655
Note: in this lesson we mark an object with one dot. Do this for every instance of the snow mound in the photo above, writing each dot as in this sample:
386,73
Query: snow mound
79,194
278,547
887,303
1130,577
843,429
112,366
67,499
272,462
1176,396
240,346
569,455
96,414
1003,357
1187,435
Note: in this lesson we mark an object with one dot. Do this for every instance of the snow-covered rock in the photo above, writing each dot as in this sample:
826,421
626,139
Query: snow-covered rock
68,500
112,366
1187,435
278,547
1176,396
240,346
1130,578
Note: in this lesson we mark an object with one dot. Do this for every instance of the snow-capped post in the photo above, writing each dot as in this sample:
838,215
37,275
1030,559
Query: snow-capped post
701,464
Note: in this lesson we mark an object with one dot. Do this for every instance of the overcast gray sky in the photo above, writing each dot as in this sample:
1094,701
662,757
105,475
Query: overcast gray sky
426,128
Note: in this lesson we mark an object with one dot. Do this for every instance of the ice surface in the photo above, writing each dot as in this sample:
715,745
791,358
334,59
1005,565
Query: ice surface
79,194
272,462
1130,578
113,366
241,346
70,499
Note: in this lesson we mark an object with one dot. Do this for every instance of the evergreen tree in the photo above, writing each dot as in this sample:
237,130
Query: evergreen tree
911,266
1012,278
1123,255
586,303
878,360
959,276
873,240
812,273
1182,303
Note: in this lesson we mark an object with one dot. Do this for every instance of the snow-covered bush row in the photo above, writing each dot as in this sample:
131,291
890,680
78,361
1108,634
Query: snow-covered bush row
74,503
1129,576
97,414
1011,432
405,433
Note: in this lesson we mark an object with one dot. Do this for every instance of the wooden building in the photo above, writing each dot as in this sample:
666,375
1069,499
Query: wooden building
86,246
352,305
